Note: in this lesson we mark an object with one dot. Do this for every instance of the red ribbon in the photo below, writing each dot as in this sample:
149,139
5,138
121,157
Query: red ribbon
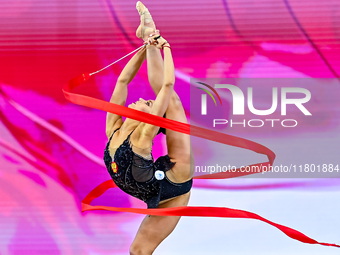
187,129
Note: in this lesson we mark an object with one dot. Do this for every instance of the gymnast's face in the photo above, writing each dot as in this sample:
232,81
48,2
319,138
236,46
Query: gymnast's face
142,105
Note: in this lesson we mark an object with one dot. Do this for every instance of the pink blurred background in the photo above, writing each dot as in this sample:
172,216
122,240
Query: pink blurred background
51,150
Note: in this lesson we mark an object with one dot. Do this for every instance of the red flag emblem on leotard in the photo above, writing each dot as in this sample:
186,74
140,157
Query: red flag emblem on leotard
114,167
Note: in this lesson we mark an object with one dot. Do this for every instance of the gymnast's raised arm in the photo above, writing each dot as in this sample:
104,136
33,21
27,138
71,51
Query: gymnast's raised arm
119,95
161,103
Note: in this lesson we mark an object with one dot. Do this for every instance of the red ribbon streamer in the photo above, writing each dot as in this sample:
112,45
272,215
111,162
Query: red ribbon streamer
187,129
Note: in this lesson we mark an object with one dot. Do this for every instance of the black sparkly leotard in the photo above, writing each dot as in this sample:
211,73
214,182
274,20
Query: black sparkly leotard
128,167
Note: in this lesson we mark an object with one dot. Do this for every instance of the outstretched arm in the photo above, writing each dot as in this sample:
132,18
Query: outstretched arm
155,65
119,95
164,95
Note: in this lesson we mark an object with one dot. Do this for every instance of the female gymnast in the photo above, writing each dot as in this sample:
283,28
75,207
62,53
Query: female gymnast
128,154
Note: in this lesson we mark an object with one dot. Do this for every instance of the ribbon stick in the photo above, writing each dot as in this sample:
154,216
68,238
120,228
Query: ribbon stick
186,129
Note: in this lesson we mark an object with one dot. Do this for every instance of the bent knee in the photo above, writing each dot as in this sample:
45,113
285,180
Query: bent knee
136,249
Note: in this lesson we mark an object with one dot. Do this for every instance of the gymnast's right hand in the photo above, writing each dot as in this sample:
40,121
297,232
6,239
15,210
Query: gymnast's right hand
158,41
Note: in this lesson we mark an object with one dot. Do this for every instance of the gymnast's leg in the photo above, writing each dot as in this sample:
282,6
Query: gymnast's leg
154,229
178,144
